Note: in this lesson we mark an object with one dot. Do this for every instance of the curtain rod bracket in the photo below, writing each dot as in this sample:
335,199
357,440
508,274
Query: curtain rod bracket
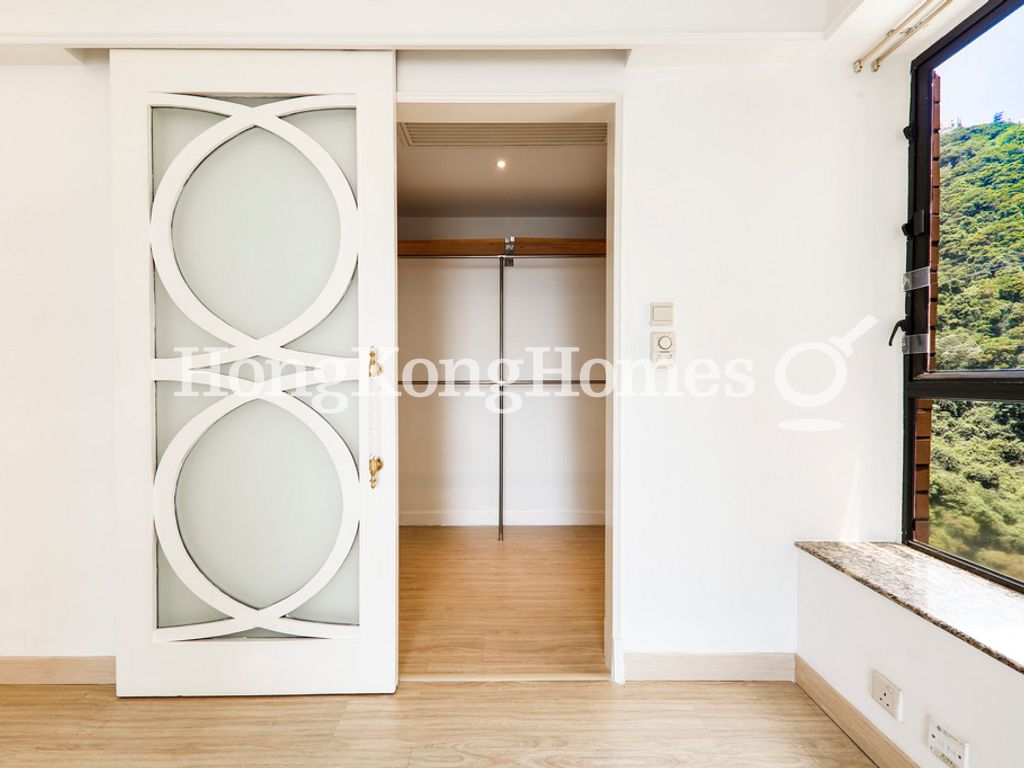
898,35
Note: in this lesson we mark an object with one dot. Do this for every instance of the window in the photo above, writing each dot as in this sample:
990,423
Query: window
964,393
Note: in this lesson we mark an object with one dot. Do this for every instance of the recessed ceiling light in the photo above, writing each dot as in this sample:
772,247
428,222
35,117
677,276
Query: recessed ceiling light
502,164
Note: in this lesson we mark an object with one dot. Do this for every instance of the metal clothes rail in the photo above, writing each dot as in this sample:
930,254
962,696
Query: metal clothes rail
506,252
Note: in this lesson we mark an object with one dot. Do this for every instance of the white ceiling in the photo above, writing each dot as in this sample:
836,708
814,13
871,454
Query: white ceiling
69,26
465,181
405,23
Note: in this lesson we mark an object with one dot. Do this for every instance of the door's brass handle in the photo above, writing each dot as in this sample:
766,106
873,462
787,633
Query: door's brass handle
376,465
375,368
375,371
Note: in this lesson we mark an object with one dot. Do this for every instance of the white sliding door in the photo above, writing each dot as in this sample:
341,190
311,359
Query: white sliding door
254,234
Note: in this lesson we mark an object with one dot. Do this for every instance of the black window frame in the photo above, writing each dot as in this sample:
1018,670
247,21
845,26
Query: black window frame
920,383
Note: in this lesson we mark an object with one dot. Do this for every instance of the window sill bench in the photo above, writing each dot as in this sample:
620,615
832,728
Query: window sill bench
981,613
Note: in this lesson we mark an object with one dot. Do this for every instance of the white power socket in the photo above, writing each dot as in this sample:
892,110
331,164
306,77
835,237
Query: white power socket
888,696
949,748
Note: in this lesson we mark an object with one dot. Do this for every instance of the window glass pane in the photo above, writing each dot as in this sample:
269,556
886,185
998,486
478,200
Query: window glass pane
969,481
978,203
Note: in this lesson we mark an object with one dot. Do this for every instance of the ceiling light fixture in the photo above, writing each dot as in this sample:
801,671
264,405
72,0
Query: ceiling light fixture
502,164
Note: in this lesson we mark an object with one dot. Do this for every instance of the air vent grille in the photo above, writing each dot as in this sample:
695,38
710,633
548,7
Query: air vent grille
504,134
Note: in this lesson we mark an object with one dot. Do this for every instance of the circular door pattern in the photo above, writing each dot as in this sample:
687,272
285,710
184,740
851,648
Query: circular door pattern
305,368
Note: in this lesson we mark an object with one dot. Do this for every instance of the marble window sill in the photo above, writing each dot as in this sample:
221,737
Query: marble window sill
980,612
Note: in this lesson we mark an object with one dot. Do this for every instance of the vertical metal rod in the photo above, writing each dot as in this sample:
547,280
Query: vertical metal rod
501,466
501,393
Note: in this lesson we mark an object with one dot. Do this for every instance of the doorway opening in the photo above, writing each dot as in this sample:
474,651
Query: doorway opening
503,294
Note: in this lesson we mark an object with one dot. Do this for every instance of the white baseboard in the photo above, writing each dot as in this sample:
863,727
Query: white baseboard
865,734
489,517
616,660
56,670
710,666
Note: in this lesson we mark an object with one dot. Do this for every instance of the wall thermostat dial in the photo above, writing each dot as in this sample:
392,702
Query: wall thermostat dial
663,348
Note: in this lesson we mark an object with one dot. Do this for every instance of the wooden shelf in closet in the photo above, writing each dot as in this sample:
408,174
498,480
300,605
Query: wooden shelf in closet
559,246
495,246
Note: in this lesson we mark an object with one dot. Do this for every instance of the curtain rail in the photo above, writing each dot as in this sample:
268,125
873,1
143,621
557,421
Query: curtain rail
918,19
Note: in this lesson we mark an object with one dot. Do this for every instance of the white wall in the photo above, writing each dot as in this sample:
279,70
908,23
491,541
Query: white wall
846,631
765,201
56,407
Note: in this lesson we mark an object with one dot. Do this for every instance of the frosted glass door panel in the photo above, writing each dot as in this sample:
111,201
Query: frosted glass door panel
554,461
448,309
338,333
335,131
256,216
449,458
261,497
555,303
258,504
338,602
265,211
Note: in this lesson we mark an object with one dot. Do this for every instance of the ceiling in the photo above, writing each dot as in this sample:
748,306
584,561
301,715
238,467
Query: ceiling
407,24
566,180
69,27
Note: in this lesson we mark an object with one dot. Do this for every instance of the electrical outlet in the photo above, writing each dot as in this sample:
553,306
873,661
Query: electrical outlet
949,748
888,696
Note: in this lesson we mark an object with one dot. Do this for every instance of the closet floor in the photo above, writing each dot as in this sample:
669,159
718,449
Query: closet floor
528,607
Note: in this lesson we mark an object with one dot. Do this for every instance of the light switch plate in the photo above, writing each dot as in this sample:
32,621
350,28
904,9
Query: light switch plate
663,313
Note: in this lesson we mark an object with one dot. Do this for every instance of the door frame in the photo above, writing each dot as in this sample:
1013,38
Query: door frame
554,106
365,658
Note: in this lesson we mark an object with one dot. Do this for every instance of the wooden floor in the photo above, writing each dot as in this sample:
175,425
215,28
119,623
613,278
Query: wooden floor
531,606
543,725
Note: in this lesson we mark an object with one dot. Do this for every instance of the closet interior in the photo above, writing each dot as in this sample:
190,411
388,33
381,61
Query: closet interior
502,275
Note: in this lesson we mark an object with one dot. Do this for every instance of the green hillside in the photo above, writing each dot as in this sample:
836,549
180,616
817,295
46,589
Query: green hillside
981,280
977,493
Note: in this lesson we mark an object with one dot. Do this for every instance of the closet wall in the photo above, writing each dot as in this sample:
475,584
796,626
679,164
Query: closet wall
553,445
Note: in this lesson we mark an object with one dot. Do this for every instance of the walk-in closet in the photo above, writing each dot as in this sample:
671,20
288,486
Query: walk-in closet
502,301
